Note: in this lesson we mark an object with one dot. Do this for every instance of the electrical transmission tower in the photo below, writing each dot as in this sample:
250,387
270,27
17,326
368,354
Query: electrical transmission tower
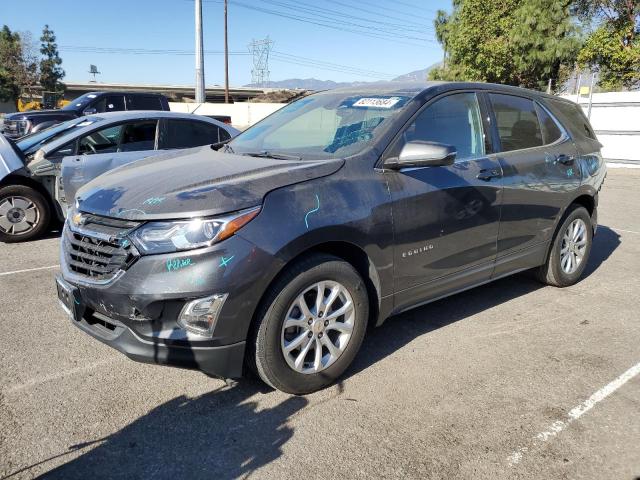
260,50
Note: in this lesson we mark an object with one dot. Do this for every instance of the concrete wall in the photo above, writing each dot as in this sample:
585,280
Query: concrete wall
615,117
242,115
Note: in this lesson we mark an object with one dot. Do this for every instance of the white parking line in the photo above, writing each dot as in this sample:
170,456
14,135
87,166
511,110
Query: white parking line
57,376
28,270
575,413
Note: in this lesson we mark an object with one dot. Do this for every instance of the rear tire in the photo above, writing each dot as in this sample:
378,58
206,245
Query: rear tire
569,252
322,333
24,213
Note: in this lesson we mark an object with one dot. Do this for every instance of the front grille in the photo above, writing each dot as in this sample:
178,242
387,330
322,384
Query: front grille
98,249
15,128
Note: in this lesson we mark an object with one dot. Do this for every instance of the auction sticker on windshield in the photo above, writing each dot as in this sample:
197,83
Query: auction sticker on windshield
379,102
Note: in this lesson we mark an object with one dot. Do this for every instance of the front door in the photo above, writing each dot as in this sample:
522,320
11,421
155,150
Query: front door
105,149
446,218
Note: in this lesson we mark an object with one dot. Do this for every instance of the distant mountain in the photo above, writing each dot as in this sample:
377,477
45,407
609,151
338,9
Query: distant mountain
315,84
417,75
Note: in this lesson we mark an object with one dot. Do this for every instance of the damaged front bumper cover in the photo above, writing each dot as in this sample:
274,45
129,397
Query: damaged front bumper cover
223,361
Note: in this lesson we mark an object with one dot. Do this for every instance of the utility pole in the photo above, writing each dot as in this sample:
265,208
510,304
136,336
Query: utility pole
226,56
200,97
593,82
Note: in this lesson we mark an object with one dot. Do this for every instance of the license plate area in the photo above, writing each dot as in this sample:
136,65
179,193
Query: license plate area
69,298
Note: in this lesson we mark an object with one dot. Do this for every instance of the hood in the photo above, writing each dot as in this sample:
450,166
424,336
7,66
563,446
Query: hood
11,159
41,113
192,183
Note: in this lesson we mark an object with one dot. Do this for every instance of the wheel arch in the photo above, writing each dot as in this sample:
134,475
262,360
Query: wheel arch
350,253
13,179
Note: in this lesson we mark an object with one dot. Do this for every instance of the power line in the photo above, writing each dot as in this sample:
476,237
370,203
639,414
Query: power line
306,8
298,60
277,55
141,51
382,36
386,12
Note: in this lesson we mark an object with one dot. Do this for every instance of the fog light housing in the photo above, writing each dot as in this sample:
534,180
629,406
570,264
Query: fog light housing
200,316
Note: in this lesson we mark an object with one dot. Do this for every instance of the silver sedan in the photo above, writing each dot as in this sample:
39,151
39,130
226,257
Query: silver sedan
40,173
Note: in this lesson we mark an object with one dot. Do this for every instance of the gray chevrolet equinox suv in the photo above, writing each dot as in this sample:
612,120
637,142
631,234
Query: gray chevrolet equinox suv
276,250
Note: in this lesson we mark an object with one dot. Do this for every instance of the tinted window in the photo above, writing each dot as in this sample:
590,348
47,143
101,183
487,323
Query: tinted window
101,141
187,134
138,136
550,130
517,121
578,123
144,102
453,120
109,103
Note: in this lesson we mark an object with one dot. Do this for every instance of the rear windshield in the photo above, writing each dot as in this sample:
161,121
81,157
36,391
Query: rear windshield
31,143
325,125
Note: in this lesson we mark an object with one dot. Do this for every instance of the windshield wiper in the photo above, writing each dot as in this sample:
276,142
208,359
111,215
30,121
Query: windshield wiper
277,156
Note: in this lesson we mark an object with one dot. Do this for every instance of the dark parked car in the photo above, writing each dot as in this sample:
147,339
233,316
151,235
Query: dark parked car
330,215
22,123
41,172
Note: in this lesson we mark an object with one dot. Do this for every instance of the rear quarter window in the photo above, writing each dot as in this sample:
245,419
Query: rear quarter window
574,118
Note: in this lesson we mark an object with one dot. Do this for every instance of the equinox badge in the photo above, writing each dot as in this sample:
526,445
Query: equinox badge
417,251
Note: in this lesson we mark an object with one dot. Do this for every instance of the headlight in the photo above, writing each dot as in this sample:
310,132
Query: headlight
164,237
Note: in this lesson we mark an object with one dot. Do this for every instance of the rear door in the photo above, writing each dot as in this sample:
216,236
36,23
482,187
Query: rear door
446,218
538,162
105,149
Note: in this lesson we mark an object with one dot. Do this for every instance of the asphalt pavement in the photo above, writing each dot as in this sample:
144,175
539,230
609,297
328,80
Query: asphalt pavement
508,380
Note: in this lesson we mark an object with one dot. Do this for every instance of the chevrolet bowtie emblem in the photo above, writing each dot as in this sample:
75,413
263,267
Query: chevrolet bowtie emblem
78,219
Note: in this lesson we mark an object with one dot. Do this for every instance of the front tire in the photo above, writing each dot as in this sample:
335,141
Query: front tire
311,325
24,213
570,250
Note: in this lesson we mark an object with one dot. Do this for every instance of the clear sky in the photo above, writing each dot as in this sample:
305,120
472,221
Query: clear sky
360,40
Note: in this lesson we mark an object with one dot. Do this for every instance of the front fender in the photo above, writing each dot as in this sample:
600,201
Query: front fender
10,159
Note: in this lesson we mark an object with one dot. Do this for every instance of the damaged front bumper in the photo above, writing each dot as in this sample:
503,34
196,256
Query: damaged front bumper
137,311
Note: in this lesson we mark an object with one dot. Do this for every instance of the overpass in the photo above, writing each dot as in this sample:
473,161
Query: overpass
175,93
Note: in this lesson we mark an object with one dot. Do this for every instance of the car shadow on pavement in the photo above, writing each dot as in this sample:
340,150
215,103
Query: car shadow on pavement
220,434
401,329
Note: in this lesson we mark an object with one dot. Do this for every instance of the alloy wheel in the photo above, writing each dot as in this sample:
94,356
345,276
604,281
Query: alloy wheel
317,327
574,246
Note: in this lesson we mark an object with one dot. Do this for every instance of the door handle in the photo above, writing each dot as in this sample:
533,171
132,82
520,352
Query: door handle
487,174
564,159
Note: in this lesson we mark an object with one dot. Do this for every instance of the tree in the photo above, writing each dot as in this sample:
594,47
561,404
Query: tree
10,57
516,42
613,46
50,71
544,37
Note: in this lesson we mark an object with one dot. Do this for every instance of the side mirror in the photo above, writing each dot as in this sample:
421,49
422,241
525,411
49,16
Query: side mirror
89,111
419,153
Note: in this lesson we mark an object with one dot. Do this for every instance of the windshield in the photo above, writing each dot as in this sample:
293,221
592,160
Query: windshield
325,125
81,102
34,141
